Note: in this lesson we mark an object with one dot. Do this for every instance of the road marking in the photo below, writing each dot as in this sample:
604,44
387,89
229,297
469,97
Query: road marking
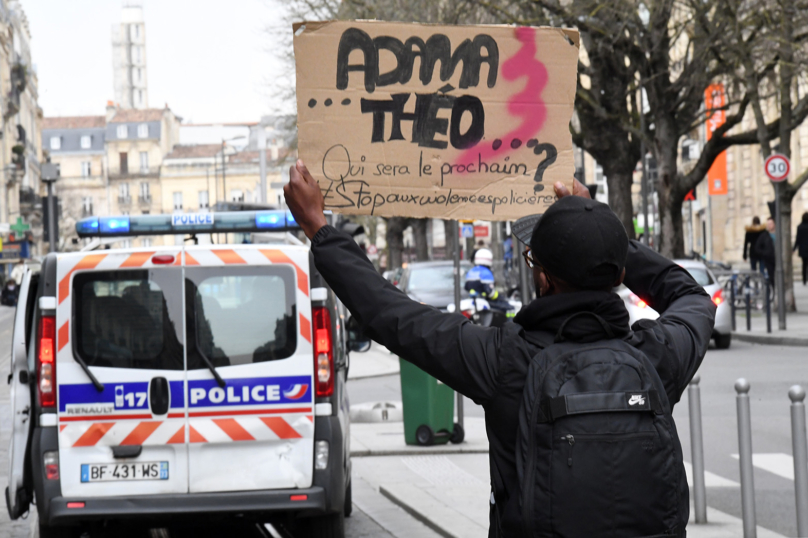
776,463
711,480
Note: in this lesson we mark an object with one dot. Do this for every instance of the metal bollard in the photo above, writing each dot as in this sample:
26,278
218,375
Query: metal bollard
697,450
733,282
768,308
745,453
748,309
800,452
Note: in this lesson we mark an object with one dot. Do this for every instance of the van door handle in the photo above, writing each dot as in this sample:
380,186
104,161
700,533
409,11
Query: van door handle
127,451
159,396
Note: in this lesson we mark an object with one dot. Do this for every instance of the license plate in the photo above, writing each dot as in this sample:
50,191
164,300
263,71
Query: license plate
111,472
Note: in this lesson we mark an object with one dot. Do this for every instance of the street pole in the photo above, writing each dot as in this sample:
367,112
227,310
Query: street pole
745,459
457,277
262,162
49,173
800,453
780,281
697,450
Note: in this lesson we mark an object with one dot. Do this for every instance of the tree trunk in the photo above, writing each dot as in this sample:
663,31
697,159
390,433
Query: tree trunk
787,193
672,238
419,228
395,241
620,178
447,235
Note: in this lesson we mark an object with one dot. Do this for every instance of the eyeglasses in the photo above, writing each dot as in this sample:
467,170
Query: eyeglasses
528,256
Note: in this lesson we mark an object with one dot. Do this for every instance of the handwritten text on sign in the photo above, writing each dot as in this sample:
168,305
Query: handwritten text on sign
436,121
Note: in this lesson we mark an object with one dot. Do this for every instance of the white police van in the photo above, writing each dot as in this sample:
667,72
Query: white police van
204,380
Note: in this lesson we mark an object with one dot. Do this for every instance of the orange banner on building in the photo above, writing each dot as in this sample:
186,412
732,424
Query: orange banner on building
714,100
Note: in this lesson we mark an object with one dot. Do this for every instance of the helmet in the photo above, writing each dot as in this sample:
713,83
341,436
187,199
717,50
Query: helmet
483,257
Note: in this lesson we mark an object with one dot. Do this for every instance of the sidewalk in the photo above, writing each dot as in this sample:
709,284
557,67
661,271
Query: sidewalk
375,362
796,333
387,439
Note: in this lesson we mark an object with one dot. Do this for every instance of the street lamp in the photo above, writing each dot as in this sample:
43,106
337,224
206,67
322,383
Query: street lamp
49,174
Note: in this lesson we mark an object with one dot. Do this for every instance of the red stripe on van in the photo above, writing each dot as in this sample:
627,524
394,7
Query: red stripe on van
233,429
137,259
141,432
280,427
178,437
277,256
195,436
94,434
229,256
64,335
305,328
87,262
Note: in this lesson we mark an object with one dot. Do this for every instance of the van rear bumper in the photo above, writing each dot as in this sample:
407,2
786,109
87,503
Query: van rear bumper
220,503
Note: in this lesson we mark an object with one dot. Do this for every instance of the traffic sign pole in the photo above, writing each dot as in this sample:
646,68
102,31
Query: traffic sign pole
457,279
777,168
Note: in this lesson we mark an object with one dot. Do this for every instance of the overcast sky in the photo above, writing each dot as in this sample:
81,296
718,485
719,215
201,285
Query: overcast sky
209,60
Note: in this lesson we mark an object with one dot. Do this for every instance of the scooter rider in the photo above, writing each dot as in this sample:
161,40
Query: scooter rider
480,282
579,253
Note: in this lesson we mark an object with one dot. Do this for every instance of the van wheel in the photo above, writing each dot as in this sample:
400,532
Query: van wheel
722,341
348,508
329,526
47,531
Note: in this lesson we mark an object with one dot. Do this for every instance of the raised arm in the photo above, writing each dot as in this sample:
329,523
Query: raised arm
447,346
687,313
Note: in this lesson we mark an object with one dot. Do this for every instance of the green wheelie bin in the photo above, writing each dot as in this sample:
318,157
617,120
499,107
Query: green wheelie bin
428,408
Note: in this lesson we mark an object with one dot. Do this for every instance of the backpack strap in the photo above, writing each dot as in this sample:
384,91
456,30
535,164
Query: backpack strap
608,330
600,402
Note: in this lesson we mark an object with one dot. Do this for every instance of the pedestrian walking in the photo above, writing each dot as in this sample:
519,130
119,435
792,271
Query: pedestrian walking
752,233
765,251
801,246
586,460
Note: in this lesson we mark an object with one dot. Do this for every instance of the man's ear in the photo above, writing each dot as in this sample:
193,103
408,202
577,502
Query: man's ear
620,280
542,282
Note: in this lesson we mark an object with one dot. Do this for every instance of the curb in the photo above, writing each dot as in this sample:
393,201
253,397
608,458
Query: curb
370,376
771,340
415,513
417,452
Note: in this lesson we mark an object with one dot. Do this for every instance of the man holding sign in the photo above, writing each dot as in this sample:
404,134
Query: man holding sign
578,404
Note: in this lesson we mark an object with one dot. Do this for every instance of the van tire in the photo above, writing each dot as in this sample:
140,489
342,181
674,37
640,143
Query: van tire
327,526
47,531
723,341
348,508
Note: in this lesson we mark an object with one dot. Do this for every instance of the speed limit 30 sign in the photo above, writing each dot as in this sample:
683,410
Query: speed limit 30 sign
777,167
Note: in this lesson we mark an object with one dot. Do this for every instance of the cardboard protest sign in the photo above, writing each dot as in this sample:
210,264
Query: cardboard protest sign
416,120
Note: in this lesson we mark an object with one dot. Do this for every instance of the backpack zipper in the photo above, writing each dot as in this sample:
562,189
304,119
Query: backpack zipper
569,438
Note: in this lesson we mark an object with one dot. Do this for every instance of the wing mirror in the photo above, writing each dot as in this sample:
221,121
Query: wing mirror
357,341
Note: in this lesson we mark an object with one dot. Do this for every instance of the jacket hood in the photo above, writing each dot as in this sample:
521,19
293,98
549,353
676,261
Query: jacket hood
549,313
755,228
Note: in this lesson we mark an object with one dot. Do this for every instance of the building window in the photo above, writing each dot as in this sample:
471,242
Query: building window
177,201
136,53
123,132
137,72
86,141
126,243
86,169
124,188
144,189
144,162
143,130
124,157
204,202
236,195
140,97
87,206
56,142
146,242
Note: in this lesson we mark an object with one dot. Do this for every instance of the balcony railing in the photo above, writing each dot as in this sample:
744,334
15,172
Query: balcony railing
144,199
124,200
28,200
134,171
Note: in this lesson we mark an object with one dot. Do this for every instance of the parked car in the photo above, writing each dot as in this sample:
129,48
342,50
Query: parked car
432,283
722,331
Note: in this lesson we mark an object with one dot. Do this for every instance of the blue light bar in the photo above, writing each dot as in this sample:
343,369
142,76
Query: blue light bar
114,225
188,223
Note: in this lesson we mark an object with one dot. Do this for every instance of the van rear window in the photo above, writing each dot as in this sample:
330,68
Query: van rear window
124,319
241,315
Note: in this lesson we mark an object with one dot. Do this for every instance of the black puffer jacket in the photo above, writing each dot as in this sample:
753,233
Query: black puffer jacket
489,365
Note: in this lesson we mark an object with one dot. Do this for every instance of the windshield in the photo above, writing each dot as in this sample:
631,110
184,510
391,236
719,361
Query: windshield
435,278
701,276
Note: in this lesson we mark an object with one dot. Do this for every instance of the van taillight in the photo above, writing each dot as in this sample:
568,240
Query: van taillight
323,352
46,363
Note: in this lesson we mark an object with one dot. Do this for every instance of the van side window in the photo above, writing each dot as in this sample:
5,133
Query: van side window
240,315
122,319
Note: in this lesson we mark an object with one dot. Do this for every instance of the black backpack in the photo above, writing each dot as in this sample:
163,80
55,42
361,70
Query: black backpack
595,449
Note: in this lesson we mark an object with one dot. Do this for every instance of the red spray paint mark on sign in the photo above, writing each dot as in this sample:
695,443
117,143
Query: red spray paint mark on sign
526,104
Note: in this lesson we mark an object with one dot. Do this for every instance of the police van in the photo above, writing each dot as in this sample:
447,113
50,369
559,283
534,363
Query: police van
197,380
